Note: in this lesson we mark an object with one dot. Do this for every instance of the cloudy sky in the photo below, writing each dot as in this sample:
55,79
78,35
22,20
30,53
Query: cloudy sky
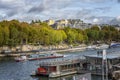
97,11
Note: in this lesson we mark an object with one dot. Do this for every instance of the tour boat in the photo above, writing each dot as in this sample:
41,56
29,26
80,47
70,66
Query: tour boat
39,56
44,56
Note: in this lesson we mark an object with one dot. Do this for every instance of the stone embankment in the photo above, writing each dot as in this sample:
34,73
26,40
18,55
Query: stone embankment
28,49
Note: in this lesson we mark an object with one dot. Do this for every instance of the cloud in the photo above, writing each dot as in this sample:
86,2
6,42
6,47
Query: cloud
11,7
118,18
96,1
60,9
118,1
96,20
103,9
38,9
47,5
26,10
99,19
4,5
115,21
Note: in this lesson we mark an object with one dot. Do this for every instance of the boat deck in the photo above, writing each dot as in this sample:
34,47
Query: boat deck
61,74
62,61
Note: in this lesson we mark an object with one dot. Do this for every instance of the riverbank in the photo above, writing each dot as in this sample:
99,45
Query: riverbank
30,49
18,53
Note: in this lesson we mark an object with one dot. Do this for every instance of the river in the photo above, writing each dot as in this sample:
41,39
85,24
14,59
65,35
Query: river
11,70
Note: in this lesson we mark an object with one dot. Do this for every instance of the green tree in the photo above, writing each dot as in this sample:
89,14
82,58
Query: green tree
1,37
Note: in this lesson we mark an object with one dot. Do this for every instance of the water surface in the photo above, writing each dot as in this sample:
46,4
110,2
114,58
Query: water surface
11,70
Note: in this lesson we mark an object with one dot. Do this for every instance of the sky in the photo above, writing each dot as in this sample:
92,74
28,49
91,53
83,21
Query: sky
93,11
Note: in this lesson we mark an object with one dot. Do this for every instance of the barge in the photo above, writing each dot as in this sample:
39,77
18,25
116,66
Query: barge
59,67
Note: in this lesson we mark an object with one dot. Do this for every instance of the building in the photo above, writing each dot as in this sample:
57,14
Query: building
50,22
73,23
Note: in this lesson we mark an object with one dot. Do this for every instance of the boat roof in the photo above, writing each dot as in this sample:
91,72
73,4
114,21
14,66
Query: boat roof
61,61
114,44
108,55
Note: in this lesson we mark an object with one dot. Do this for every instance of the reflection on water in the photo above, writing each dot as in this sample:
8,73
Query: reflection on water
69,77
72,77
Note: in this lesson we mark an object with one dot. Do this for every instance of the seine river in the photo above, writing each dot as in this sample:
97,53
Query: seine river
11,70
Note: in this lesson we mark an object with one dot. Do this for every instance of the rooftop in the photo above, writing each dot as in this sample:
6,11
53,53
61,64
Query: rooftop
61,61
112,55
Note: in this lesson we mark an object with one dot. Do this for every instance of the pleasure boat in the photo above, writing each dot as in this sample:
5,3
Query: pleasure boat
44,56
39,56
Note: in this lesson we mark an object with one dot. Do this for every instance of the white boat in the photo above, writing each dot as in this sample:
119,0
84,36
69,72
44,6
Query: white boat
44,56
21,58
91,47
101,46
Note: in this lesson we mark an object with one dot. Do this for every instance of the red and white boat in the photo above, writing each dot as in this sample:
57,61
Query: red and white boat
44,56
39,56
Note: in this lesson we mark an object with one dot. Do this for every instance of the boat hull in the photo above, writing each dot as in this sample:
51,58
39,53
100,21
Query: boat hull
51,57
19,59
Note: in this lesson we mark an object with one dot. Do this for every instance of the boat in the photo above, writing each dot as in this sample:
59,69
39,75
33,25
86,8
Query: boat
21,58
101,46
44,56
114,45
38,57
58,67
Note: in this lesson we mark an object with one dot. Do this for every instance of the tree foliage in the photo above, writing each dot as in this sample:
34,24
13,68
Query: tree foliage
14,33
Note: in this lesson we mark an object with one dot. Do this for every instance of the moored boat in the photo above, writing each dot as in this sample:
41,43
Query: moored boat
44,56
39,56
114,45
59,66
21,58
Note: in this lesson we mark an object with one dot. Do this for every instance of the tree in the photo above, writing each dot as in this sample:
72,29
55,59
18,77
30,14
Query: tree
13,36
80,38
95,27
1,37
